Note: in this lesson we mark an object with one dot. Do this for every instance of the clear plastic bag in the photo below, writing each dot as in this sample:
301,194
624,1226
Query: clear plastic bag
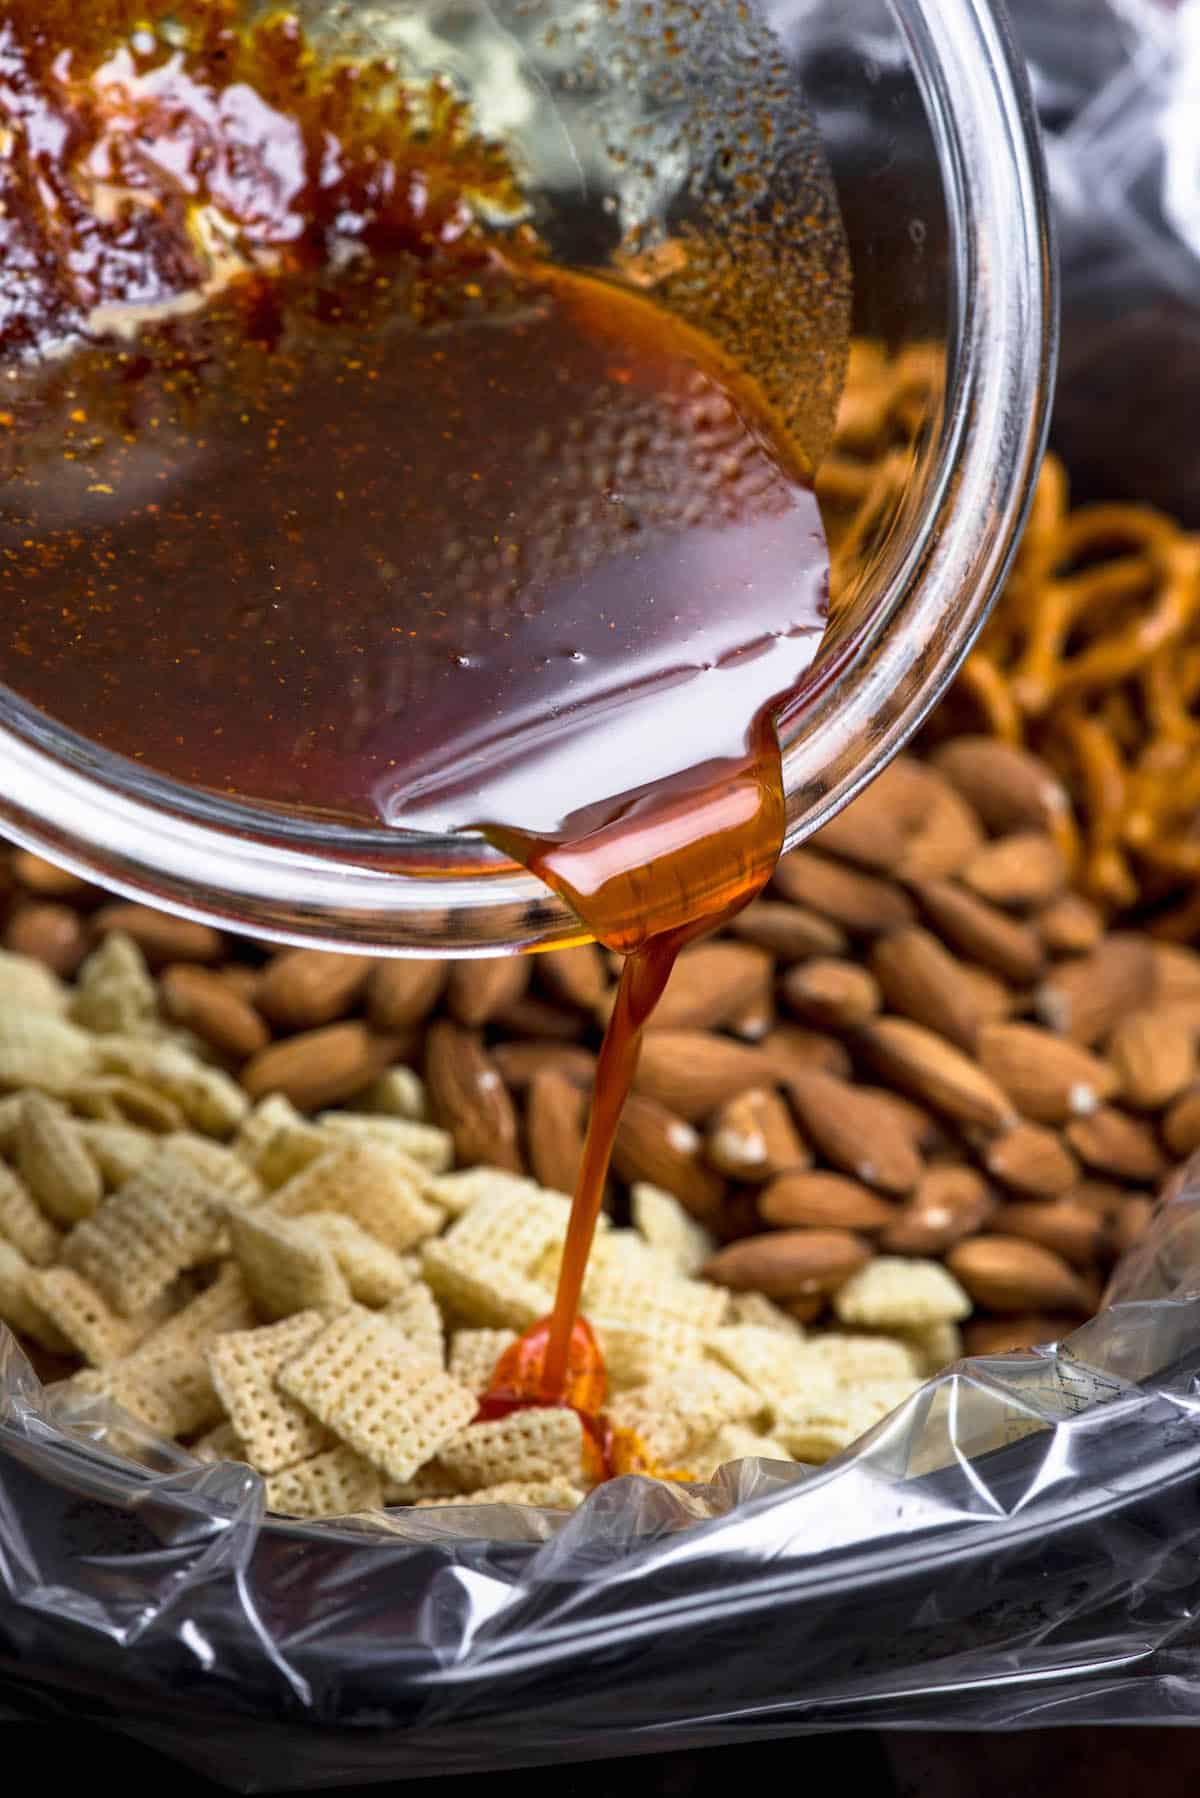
1018,1544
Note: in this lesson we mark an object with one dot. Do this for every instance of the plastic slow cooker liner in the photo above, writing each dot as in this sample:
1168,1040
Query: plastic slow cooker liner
1018,1544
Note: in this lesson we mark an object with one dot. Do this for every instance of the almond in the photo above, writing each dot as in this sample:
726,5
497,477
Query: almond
321,1067
792,1049
241,979
520,1063
161,936
981,931
540,1019
791,932
692,1073
1131,1220
1154,1053
1085,998
577,976
1031,1158
1007,1335
789,1264
922,1128
1103,1197
302,988
945,840
754,1021
1008,788
655,1145
1114,1143
861,903
476,990
711,984
1018,872
824,1201
753,1138
1070,925
1073,1231
46,879
203,1001
949,1204
831,994
468,1098
939,1075
992,998
855,1132
1176,971
1006,1273
1047,1077
403,992
873,830
922,981
554,1126
1181,1126
50,933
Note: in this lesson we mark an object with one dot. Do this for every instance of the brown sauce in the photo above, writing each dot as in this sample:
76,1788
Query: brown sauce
316,493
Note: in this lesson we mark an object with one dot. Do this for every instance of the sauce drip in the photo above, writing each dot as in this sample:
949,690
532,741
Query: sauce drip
321,487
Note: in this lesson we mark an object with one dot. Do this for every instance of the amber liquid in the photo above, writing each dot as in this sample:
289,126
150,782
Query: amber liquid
426,534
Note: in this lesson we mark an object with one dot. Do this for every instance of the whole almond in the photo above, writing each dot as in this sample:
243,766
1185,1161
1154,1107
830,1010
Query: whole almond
46,879
1176,971
201,1000
50,933
403,992
794,1049
992,997
1104,1197
949,1204
1068,1229
1070,924
1131,1220
1181,1126
824,1201
554,1126
241,979
692,1073
855,1132
980,931
936,1073
861,903
1085,998
1019,872
710,985
1112,1142
1006,1273
1031,1158
540,1019
831,993
754,1020
752,1137
874,828
302,988
1006,1335
1154,1053
1009,788
791,932
320,1067
468,1097
922,981
577,976
655,1145
946,838
1047,1077
477,989
520,1063
789,1264
161,936
925,1132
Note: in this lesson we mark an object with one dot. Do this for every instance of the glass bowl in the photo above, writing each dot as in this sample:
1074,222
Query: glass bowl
931,142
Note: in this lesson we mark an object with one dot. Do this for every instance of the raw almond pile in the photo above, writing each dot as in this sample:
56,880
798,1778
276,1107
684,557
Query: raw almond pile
922,1042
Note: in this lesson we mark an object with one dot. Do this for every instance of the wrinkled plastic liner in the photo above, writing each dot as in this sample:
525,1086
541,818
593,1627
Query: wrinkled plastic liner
1018,1544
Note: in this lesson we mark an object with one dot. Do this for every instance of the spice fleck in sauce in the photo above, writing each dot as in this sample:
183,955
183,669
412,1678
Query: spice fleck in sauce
316,492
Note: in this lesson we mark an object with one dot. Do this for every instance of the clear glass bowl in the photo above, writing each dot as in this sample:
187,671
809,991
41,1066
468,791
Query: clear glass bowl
931,138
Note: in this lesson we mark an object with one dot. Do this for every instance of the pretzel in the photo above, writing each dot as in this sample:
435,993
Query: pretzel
1091,656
